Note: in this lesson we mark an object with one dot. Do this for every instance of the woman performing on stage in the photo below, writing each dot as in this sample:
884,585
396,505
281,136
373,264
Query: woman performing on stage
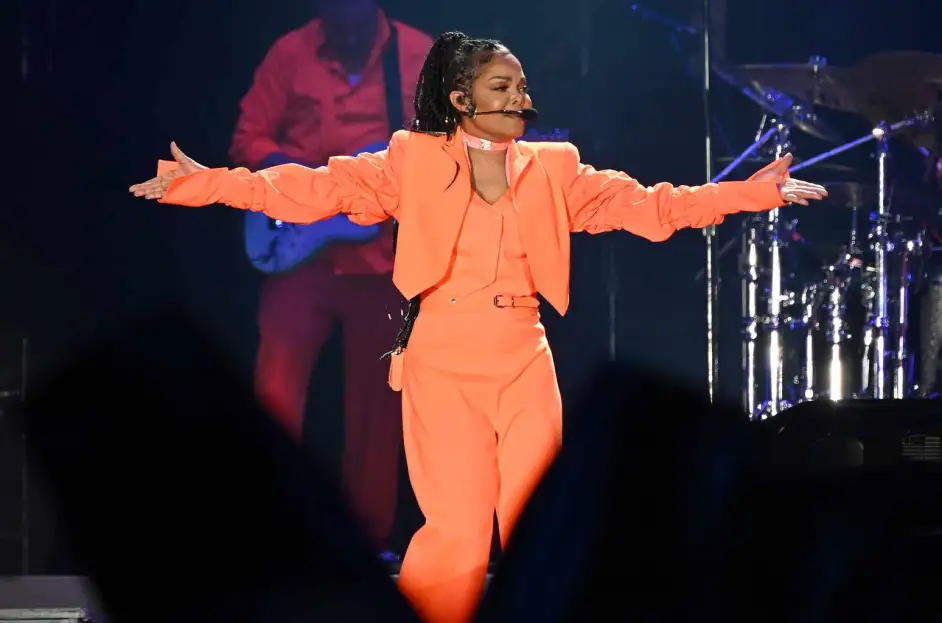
484,225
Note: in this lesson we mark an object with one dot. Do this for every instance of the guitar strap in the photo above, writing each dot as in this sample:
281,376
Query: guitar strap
393,81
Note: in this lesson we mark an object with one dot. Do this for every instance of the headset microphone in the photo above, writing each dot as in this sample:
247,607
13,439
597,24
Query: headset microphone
527,114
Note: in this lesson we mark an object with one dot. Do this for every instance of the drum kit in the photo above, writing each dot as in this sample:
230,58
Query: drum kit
840,328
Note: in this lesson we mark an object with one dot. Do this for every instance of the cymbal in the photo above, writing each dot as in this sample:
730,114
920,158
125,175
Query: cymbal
814,84
892,86
777,104
903,82
904,200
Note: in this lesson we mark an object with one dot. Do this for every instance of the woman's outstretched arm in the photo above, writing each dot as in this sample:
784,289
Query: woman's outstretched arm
600,201
365,187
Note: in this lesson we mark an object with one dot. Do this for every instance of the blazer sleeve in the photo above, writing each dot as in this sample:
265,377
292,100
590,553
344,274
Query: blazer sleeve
364,187
600,201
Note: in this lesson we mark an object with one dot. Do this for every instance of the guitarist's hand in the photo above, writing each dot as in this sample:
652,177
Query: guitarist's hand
276,159
155,188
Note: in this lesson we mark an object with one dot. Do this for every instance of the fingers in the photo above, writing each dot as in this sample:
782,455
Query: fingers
793,197
811,193
151,189
177,154
799,191
803,185
784,162
148,192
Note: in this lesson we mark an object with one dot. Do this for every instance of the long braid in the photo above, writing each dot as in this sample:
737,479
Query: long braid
452,64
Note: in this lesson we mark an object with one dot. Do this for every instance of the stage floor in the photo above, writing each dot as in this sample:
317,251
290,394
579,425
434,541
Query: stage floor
58,599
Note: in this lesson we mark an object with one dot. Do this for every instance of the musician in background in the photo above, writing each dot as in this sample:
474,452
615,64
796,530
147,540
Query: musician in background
322,91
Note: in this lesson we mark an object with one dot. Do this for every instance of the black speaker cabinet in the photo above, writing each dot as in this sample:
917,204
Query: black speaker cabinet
852,434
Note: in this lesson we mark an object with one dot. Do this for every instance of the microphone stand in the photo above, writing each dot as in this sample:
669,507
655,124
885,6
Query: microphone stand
609,261
709,233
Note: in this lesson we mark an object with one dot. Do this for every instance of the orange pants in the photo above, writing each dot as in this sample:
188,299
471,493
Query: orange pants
482,420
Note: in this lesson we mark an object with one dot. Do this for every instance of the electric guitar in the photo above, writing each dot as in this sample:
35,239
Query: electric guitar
274,246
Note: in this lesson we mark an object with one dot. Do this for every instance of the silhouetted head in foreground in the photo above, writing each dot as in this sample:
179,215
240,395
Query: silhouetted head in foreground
183,501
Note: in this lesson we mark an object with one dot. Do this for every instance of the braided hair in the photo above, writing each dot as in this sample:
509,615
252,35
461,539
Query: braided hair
452,64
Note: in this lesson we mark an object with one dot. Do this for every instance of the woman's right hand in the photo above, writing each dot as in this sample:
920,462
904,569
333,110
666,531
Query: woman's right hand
156,187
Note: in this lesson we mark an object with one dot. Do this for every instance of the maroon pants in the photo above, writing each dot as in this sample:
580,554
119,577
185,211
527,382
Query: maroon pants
297,312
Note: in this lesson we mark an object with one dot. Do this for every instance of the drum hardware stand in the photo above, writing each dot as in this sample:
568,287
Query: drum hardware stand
876,336
902,378
750,285
810,302
760,231
837,283
879,323
835,335
773,322
764,231
880,133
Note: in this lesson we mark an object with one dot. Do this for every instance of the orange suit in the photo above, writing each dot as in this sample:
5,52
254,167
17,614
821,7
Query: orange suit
481,406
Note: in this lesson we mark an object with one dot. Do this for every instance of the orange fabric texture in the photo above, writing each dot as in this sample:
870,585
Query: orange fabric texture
481,406
303,104
420,182
488,254
482,414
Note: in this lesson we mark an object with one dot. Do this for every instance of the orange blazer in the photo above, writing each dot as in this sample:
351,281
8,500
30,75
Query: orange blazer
424,182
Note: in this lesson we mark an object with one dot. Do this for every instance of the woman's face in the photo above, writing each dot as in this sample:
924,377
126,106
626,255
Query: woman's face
500,85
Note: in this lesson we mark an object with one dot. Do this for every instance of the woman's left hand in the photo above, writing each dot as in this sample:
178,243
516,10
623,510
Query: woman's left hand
155,188
798,191
792,190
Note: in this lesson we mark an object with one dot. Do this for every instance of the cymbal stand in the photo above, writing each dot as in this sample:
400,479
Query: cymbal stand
750,274
764,231
877,332
751,240
879,133
761,139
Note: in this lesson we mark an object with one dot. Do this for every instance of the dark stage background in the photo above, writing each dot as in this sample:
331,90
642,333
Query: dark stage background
104,87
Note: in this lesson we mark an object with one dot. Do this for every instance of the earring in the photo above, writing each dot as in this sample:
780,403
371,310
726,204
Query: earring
471,109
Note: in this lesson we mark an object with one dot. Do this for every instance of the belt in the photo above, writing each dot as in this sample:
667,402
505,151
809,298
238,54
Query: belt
479,303
466,304
506,300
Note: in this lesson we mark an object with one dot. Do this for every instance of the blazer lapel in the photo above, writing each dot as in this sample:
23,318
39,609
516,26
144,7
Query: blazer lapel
441,180
544,239
518,163
450,186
